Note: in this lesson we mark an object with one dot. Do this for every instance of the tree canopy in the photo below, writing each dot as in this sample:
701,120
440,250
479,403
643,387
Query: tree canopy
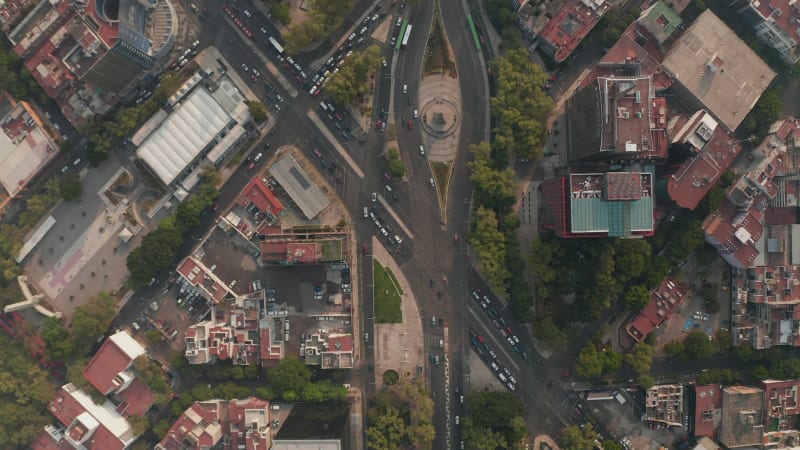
494,419
23,398
91,320
521,105
575,438
326,16
490,244
257,110
159,247
395,163
401,418
352,82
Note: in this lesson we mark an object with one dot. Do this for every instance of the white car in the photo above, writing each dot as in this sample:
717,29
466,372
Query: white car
416,114
258,157
374,197
431,182
247,13
422,150
385,63
244,67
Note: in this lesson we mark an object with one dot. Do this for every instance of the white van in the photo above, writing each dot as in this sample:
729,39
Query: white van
366,212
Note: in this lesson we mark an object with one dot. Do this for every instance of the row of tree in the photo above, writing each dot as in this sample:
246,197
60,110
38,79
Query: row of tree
595,361
159,248
352,82
493,420
326,16
519,111
521,107
493,224
401,418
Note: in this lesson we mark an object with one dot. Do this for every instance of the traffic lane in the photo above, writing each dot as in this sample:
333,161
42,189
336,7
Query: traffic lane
255,21
505,354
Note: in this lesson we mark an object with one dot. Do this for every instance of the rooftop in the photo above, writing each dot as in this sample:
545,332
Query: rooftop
615,203
570,26
259,194
287,252
188,130
25,146
663,301
621,107
296,182
742,416
115,356
782,15
716,151
97,427
718,69
707,409
197,274
660,21
664,405
781,397
244,423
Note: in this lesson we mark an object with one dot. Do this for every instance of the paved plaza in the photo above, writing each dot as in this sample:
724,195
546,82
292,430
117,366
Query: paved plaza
398,346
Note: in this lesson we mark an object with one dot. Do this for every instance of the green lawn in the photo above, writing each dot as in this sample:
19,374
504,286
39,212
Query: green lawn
387,296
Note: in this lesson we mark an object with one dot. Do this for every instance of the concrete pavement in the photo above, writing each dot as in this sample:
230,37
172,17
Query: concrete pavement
440,109
398,346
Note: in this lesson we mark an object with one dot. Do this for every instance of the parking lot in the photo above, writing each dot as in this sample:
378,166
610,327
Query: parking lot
693,316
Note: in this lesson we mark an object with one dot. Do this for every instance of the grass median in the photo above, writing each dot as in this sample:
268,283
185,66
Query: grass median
387,296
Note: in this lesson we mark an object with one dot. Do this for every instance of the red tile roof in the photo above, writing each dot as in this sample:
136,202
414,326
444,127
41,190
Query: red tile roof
242,414
663,301
206,423
258,193
344,342
108,31
707,410
67,409
569,27
698,174
736,247
268,351
43,441
137,399
106,364
196,275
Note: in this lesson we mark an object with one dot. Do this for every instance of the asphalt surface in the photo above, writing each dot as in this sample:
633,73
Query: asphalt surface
435,264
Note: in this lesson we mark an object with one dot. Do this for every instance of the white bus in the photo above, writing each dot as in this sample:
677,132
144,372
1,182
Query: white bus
406,37
278,47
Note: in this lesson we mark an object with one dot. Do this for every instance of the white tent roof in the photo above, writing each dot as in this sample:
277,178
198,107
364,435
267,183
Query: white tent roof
189,129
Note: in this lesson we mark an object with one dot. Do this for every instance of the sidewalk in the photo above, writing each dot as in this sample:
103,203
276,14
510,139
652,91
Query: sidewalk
398,346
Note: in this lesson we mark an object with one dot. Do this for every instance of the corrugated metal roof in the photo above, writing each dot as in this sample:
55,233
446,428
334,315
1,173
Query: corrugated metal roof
185,133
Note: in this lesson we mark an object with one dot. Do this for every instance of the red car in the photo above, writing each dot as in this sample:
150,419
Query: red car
409,124
317,153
